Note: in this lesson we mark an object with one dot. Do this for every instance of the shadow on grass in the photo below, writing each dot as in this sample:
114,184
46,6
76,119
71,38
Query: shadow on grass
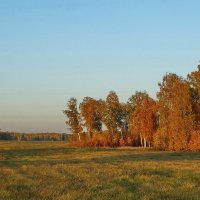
151,156
13,153
12,157
51,151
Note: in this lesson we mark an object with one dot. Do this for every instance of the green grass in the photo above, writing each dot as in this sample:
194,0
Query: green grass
53,170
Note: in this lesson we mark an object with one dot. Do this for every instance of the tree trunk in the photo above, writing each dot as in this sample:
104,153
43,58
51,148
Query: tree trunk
121,134
89,133
79,137
145,143
19,138
149,144
141,141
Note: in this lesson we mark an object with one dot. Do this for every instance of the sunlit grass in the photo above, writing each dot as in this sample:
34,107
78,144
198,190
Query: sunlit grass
53,170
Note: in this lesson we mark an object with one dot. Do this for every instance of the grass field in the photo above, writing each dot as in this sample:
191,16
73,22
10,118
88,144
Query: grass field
52,170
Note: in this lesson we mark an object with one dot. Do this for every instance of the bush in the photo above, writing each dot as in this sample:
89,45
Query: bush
130,141
194,143
160,140
122,142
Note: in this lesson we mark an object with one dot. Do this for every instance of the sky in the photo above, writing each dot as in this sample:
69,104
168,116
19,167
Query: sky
51,50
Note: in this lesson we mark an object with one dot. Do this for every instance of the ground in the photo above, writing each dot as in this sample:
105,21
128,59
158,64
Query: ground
53,170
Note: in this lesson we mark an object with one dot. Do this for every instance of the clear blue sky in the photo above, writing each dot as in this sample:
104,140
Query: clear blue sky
51,50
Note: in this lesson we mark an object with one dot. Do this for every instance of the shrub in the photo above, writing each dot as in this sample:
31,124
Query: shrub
130,141
115,140
160,140
194,143
122,142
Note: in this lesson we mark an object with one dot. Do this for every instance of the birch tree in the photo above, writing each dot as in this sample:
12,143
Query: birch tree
73,117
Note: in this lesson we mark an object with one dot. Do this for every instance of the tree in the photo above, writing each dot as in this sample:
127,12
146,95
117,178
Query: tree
122,120
175,111
73,117
142,120
132,103
111,116
194,81
89,111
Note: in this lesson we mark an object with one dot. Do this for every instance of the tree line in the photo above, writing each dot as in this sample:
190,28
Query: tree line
171,122
34,136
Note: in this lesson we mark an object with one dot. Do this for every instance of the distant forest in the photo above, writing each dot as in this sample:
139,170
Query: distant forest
171,122
34,136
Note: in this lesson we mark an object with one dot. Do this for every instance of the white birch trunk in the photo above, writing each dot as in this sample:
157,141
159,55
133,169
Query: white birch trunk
145,143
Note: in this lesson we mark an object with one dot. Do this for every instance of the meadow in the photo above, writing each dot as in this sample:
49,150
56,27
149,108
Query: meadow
54,170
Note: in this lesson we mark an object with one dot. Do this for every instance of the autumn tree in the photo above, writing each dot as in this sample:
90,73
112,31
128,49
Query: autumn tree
89,111
194,81
112,116
142,120
101,109
175,113
133,101
73,117
122,120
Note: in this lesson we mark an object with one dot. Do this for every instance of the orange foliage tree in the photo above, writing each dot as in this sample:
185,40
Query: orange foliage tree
89,111
194,81
175,113
143,120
